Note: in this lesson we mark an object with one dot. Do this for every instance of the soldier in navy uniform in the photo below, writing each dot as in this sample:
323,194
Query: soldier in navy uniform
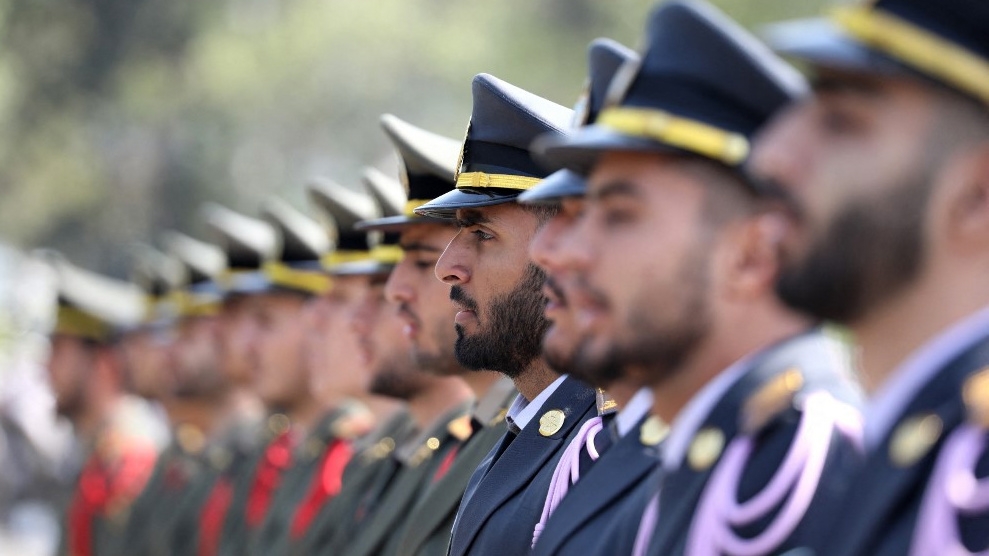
618,451
886,171
427,168
500,322
674,261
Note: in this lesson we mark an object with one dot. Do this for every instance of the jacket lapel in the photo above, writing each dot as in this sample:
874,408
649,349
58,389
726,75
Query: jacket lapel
881,487
618,471
445,496
521,461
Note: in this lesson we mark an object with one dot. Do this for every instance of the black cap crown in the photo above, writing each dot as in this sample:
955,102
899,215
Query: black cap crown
496,164
203,267
945,40
428,165
605,58
303,242
704,87
247,243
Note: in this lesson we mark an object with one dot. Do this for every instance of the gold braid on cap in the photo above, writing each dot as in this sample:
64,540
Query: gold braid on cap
917,47
682,133
309,281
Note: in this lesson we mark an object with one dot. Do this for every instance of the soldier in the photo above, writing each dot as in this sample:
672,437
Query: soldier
86,374
427,168
190,395
618,451
316,475
758,402
500,322
241,431
356,260
885,171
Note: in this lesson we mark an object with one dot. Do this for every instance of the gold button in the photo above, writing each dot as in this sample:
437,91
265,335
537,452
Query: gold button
913,438
653,431
705,448
433,443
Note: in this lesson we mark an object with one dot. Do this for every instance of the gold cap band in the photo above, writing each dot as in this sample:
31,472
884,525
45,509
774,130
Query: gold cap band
71,321
682,133
412,204
920,48
387,254
189,305
309,281
479,180
335,258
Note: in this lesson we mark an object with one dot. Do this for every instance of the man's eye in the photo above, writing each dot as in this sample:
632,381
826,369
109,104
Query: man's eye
482,235
425,265
615,216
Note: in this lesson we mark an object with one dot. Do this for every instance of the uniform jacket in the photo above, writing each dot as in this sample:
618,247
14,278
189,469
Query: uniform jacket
505,496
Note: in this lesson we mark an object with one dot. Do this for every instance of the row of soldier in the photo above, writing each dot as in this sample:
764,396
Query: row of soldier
589,331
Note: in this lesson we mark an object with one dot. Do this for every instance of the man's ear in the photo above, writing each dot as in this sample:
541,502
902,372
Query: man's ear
753,254
965,182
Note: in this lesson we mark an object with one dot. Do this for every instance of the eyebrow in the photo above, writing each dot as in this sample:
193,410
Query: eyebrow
419,246
612,189
830,84
472,218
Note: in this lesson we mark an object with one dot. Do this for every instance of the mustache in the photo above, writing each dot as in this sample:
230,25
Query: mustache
404,309
457,295
777,193
554,286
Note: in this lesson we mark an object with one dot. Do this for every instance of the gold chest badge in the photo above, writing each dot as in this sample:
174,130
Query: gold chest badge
551,422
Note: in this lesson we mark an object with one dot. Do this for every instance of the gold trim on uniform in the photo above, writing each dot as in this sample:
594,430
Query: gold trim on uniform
775,397
285,276
975,393
481,180
917,47
653,431
913,438
551,422
188,304
690,135
706,448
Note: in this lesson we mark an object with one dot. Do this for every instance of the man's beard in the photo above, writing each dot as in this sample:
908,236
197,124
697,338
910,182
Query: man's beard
660,338
395,378
441,362
870,251
515,324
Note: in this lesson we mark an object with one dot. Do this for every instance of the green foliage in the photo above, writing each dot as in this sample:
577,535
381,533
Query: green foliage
120,118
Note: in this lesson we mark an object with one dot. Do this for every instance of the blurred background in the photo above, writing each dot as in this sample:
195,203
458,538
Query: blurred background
118,118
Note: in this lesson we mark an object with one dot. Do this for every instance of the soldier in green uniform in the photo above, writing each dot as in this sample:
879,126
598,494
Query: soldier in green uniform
193,389
86,372
320,455
427,169
437,403
236,442
352,263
